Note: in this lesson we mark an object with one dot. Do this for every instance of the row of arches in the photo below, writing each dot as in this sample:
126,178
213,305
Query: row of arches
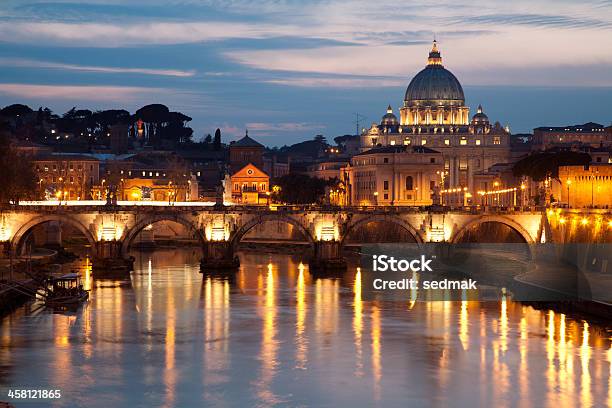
374,229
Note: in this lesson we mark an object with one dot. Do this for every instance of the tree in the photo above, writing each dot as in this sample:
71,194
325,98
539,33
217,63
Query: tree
15,110
217,140
208,139
153,116
17,176
540,165
299,189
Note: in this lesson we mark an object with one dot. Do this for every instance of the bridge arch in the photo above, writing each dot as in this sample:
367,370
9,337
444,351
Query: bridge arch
260,219
382,218
152,219
460,233
18,238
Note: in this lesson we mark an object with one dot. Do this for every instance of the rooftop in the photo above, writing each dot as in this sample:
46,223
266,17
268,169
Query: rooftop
398,149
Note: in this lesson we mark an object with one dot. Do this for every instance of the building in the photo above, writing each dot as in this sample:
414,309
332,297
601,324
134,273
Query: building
394,175
588,134
157,189
245,151
586,186
66,176
329,169
155,176
434,115
274,167
250,185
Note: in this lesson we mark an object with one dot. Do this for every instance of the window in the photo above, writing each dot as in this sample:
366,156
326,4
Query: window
463,163
432,184
463,141
406,141
477,142
599,160
71,179
447,142
432,159
385,160
423,142
386,185
409,183
386,196
496,140
236,187
71,167
392,143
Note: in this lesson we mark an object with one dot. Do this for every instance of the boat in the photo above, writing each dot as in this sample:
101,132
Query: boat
65,291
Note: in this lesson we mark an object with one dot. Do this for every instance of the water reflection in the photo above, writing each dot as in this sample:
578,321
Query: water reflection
275,335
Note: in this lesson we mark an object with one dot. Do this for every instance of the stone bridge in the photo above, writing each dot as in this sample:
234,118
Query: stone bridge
111,230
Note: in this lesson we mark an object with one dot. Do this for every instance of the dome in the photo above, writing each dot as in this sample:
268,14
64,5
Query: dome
434,85
389,119
480,117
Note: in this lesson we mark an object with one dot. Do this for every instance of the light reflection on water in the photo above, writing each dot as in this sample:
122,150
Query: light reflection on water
274,335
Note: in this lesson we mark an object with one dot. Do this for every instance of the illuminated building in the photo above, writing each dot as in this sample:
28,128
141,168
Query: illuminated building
589,134
66,176
394,175
586,186
250,186
434,115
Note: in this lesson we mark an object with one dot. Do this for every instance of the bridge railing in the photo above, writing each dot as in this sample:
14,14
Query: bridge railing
303,208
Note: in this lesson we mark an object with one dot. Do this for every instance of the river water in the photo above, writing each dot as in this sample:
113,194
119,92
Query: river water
273,335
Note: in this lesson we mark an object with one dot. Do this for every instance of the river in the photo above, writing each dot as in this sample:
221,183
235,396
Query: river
274,335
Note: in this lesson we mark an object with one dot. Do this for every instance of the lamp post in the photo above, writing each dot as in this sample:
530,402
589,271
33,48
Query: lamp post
569,183
496,185
523,187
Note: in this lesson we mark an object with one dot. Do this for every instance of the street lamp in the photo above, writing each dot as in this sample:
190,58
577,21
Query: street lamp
376,198
569,183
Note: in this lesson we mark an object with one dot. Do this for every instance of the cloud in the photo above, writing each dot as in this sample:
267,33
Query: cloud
536,20
335,82
27,63
262,127
81,93
131,34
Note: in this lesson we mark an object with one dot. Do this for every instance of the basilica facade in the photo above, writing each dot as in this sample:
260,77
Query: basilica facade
434,115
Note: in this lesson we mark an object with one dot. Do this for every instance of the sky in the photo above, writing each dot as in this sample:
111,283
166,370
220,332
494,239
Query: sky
290,69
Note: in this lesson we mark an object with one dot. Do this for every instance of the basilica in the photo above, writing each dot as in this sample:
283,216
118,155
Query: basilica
434,115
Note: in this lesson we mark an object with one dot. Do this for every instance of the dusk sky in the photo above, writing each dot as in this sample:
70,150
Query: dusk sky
290,69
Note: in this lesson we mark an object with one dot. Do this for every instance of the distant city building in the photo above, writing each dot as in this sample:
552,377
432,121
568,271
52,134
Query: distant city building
434,115
245,151
329,169
250,185
394,175
66,176
586,186
163,177
274,167
119,139
588,134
